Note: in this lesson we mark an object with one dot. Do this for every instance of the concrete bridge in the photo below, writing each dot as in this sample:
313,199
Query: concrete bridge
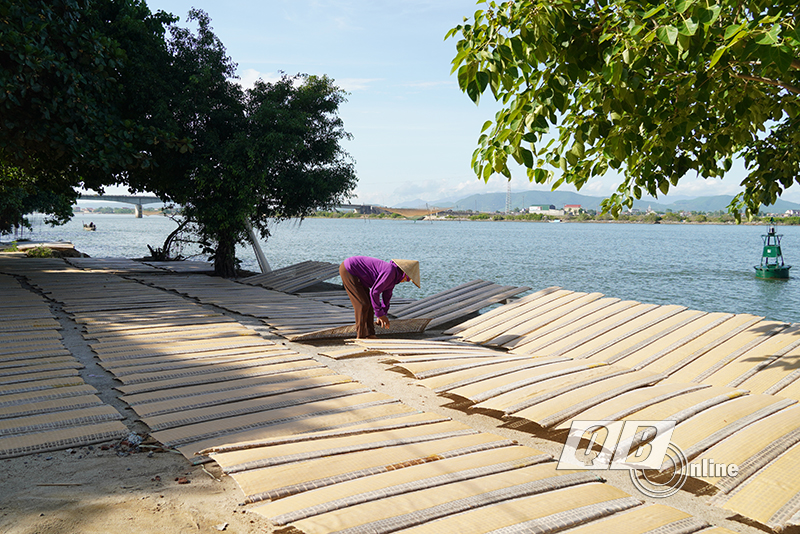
363,209
137,201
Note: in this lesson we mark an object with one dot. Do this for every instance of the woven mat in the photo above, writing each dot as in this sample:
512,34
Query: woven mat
771,496
481,390
360,466
234,395
627,404
285,450
228,385
397,326
769,436
66,418
32,406
555,410
515,400
403,474
720,354
570,335
716,423
62,438
209,378
556,315
45,394
288,422
776,376
169,420
456,376
456,501
505,314
615,344
293,419
675,352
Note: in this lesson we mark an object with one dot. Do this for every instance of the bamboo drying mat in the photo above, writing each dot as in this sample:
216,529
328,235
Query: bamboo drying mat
44,404
110,265
295,277
397,326
182,266
770,496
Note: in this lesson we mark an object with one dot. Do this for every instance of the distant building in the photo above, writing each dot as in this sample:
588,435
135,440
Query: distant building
792,213
572,209
546,210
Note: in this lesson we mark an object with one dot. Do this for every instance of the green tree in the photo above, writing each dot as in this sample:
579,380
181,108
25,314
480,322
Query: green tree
20,195
269,153
652,89
78,79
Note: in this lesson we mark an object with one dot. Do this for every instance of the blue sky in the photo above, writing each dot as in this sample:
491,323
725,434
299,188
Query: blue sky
413,130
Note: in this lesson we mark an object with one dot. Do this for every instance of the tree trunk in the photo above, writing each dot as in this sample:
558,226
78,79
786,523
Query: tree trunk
225,257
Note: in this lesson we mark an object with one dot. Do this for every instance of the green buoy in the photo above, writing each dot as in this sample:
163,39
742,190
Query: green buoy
772,265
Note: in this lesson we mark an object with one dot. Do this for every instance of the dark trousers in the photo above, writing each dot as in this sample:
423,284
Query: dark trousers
359,297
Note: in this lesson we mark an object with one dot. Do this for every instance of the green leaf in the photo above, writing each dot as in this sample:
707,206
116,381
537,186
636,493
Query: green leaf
486,126
540,176
782,57
716,56
683,5
732,30
689,26
653,11
527,157
771,37
667,34
708,16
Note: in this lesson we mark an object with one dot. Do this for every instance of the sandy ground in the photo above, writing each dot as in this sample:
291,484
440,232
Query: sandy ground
110,488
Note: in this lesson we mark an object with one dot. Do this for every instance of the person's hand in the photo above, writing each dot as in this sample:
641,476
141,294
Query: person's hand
383,321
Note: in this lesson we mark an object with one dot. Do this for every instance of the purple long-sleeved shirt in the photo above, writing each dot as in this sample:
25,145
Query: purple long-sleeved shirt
378,276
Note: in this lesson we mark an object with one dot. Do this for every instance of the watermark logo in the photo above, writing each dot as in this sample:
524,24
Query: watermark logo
658,468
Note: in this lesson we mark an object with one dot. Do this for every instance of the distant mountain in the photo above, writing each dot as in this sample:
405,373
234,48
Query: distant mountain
492,202
419,204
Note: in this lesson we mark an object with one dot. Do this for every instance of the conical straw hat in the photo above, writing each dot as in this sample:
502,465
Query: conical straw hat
411,268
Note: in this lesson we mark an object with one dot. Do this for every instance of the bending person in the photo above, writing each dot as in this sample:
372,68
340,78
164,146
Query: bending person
369,283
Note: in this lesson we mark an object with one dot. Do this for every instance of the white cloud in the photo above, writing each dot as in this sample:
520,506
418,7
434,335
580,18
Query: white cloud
355,84
248,77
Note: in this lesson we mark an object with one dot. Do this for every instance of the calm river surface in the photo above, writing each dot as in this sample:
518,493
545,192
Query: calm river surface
703,267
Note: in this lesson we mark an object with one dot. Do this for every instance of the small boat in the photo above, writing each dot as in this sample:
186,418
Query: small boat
89,227
772,265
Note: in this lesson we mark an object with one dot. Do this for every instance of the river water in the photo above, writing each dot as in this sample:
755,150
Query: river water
703,267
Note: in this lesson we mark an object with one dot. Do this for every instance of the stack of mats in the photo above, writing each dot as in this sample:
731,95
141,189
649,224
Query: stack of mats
436,310
44,404
730,382
458,302
293,278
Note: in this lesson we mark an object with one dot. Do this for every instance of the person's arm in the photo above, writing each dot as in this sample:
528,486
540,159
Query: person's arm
381,292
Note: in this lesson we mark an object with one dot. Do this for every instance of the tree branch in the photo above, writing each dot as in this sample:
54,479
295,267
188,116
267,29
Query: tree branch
767,81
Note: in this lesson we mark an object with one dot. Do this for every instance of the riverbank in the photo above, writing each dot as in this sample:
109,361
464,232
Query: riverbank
582,218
